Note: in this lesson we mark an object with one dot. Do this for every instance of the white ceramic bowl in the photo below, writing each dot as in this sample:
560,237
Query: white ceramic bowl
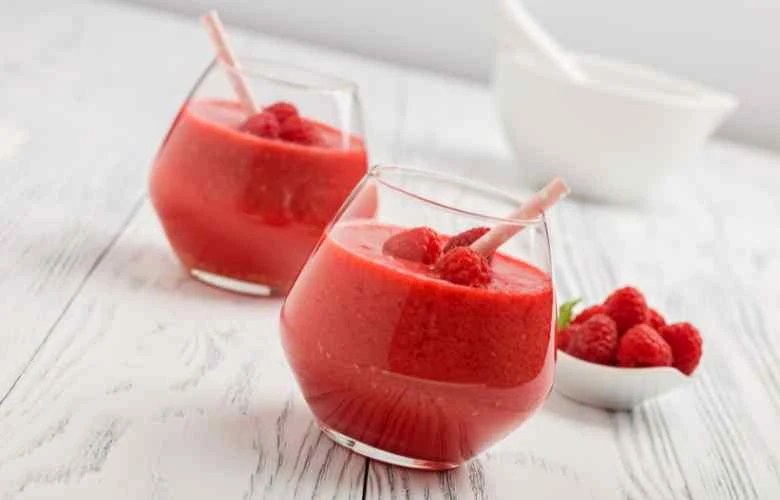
610,137
610,387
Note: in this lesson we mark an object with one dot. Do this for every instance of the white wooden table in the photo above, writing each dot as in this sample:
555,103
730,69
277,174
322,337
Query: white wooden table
121,378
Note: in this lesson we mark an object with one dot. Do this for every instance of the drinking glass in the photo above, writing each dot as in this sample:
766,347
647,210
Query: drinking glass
243,211
396,362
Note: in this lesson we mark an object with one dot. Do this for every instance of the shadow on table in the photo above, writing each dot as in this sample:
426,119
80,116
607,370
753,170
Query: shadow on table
572,410
292,457
137,258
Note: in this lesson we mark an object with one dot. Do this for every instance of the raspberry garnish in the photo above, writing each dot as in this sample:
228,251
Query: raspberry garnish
466,238
595,340
419,244
644,338
564,336
296,129
281,110
464,266
589,312
262,124
686,344
627,307
655,319
642,346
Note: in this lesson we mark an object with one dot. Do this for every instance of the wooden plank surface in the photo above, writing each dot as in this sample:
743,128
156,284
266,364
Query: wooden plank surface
121,378
164,388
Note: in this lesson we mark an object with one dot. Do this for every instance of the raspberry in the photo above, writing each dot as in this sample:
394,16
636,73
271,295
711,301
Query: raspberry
262,125
588,313
464,266
565,335
281,110
627,307
466,238
685,341
420,244
642,346
655,319
297,130
595,340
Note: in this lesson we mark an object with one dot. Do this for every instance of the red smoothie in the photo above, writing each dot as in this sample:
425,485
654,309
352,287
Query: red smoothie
390,355
248,207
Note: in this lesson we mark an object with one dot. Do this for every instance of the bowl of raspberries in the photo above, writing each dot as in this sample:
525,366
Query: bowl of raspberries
622,352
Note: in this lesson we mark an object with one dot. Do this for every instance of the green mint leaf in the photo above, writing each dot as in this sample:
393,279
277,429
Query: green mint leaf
565,313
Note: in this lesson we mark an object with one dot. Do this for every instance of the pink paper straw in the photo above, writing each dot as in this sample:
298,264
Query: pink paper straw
225,54
543,199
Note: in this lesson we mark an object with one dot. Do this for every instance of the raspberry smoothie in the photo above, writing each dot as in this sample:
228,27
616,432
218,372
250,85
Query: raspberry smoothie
246,199
391,355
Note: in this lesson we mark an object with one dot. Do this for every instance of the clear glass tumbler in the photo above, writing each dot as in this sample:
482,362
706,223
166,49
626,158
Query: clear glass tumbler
401,364
244,198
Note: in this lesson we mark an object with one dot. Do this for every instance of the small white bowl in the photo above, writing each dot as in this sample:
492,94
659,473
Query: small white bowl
610,387
610,137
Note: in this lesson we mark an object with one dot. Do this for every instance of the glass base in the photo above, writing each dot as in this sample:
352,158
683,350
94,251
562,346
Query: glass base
384,456
232,284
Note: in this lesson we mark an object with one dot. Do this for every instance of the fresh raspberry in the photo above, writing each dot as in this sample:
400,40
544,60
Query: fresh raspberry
627,307
565,335
589,312
685,341
262,125
594,340
466,238
642,346
296,129
655,319
281,110
419,244
464,266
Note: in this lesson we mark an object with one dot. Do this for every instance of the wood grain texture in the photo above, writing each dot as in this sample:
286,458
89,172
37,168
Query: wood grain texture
164,388
122,378
60,206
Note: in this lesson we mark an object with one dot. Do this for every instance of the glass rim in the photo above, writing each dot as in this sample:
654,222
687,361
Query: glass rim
252,68
486,189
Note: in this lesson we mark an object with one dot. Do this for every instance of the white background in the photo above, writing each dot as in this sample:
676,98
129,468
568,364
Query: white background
733,45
